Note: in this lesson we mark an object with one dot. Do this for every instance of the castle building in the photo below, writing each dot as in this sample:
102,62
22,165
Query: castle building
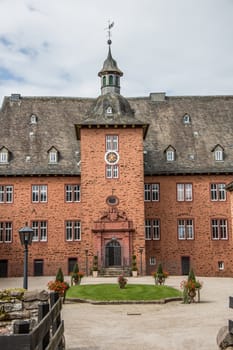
117,177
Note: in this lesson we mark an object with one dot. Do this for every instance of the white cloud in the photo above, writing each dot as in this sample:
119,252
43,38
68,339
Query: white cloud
58,47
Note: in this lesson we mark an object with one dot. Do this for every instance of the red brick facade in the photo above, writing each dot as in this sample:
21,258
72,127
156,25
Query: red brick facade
204,252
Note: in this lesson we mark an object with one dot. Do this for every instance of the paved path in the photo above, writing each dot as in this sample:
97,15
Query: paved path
173,326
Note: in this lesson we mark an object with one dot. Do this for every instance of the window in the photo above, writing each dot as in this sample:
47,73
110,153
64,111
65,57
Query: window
72,193
104,80
152,229
6,194
117,81
112,200
111,143
186,119
5,232
39,193
4,154
39,231
110,79
53,155
217,192
219,229
152,260
73,231
109,110
184,192
170,153
33,119
185,229
221,265
218,153
151,192
112,171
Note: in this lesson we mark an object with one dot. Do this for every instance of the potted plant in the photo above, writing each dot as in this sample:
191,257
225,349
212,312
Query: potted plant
190,288
134,266
76,275
122,281
160,275
59,285
95,266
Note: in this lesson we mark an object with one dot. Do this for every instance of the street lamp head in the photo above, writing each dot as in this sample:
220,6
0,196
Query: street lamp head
25,235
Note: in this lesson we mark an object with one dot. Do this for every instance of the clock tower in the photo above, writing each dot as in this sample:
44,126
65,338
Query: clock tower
112,176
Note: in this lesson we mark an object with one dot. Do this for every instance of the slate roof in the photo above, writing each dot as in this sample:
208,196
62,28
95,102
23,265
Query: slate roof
28,143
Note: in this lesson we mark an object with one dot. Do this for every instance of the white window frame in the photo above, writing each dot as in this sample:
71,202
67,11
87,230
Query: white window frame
218,192
219,229
152,260
6,194
218,155
170,155
221,265
151,192
39,193
40,231
3,156
73,230
33,119
185,229
184,192
6,231
186,119
112,171
152,229
72,193
53,157
112,143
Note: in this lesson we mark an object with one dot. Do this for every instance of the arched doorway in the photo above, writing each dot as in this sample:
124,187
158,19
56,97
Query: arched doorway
113,253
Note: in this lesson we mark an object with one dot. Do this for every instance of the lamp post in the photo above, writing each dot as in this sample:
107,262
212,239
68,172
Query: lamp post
25,235
140,251
86,252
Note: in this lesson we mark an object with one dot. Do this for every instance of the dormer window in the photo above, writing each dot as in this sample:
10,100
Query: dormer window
109,110
53,155
33,119
4,155
170,153
218,153
186,119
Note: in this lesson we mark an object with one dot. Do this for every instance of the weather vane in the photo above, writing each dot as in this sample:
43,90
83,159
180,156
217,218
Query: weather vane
110,25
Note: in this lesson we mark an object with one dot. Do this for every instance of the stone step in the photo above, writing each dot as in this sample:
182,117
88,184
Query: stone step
114,271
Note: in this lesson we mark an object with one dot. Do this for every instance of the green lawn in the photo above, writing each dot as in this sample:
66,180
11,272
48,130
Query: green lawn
108,292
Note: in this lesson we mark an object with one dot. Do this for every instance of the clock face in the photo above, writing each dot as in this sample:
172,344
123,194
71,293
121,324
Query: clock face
111,157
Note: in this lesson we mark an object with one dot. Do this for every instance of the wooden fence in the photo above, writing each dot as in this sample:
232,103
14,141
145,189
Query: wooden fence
47,335
230,322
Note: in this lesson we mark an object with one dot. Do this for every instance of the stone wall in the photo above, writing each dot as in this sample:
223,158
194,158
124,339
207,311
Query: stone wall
18,304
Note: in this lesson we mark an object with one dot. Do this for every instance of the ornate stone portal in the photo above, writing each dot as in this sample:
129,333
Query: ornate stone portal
113,238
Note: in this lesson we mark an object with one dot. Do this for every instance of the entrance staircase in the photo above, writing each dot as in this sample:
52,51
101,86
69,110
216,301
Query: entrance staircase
115,271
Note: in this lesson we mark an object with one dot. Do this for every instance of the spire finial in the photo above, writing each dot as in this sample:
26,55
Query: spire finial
110,25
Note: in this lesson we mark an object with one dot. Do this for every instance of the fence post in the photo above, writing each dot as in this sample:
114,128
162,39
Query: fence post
43,309
21,327
54,296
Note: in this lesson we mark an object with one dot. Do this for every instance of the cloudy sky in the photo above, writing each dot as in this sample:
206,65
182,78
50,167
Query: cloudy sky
57,47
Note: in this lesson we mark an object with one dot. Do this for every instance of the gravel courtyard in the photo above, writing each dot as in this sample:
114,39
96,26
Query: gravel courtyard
173,326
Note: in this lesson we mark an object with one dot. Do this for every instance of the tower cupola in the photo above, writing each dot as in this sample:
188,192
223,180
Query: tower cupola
110,74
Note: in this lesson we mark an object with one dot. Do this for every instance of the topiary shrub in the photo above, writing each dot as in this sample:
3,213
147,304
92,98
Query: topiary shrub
60,275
